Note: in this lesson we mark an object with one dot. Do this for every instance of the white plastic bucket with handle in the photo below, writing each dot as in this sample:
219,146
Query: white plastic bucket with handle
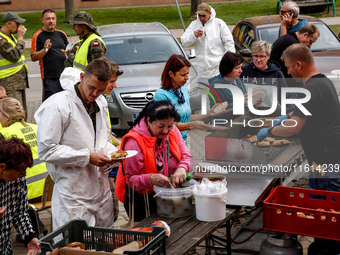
210,207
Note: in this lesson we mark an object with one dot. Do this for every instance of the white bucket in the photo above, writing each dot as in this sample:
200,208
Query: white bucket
210,207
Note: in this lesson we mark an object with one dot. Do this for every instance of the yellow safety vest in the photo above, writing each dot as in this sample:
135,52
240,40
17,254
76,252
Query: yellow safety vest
8,68
35,176
80,60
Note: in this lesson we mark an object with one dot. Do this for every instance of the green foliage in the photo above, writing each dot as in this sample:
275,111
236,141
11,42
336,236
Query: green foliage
230,12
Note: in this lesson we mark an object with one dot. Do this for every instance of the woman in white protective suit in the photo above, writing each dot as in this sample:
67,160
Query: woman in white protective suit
74,140
212,38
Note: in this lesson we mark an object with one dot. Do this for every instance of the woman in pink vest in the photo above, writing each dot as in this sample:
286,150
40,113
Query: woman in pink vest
161,152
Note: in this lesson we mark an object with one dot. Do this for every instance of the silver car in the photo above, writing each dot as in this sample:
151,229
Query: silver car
141,50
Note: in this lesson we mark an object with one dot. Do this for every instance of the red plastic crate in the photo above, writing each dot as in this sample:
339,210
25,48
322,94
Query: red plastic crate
295,211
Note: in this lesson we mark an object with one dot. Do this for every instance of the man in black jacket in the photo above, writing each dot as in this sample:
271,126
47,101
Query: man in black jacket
307,35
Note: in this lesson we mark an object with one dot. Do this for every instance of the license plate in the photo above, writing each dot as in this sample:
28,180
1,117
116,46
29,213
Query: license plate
134,116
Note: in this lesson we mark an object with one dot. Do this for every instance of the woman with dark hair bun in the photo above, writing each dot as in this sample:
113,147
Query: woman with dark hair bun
175,75
230,71
161,152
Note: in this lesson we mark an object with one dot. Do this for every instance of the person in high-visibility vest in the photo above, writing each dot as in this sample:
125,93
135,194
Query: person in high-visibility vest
13,69
90,46
12,118
115,72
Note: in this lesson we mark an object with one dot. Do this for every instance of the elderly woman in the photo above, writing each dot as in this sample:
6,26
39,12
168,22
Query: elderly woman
262,71
161,152
15,158
230,71
174,77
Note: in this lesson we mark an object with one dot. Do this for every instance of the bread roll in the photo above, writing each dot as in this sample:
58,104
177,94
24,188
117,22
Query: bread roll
77,244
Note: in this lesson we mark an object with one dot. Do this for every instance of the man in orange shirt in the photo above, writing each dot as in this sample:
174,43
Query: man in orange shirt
47,44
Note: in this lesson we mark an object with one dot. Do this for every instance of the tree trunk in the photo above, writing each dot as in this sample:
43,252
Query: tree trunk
194,5
69,10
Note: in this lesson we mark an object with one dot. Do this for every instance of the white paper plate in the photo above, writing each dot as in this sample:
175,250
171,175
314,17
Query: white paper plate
221,107
258,93
336,72
131,153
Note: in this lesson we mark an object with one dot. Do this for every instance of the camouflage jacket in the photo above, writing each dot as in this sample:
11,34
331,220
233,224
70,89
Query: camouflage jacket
18,81
96,50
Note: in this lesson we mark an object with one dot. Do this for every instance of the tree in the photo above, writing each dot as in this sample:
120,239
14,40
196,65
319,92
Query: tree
69,10
194,5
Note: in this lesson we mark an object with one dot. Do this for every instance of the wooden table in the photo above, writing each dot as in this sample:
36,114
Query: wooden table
188,232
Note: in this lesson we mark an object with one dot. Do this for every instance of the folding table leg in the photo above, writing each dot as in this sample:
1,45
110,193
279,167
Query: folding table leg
228,235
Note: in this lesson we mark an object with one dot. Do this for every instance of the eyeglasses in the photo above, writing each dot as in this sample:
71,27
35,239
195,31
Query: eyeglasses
21,172
262,57
119,72
282,12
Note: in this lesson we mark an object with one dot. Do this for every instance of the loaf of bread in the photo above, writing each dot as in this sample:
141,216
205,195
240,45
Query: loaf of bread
133,246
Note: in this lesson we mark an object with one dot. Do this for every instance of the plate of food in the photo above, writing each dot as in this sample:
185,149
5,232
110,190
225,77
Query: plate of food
120,154
258,93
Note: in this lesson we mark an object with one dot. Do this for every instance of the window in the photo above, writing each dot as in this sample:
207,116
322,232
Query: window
249,37
141,49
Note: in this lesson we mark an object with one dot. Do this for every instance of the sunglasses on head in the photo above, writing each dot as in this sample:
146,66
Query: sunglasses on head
119,72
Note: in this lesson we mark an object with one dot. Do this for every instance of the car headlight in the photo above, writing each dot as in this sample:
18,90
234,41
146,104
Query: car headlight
109,98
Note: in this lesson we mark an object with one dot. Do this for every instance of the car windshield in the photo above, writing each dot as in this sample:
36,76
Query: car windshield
326,42
129,50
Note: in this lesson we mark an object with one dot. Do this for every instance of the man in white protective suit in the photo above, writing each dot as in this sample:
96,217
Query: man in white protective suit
211,37
74,141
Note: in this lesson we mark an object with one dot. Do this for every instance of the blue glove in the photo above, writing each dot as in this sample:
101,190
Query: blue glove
278,120
263,133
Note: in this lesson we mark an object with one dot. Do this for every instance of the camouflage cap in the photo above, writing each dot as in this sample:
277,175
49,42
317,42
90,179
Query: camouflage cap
203,8
83,18
9,16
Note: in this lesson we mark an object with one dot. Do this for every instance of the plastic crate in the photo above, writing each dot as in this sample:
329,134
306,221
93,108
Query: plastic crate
103,239
295,211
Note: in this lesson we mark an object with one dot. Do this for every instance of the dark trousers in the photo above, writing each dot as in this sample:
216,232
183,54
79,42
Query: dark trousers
50,87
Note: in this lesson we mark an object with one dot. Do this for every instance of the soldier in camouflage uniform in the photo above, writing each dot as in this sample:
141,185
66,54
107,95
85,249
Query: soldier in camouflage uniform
13,69
90,46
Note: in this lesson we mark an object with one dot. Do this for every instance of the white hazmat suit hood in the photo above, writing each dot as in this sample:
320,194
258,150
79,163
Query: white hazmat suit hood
209,48
66,137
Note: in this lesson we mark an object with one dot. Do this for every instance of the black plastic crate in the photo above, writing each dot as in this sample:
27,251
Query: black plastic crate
104,239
